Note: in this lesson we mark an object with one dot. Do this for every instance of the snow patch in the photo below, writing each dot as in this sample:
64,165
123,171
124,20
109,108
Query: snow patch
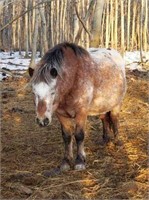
14,62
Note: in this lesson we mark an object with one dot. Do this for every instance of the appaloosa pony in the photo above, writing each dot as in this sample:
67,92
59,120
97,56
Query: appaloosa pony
75,83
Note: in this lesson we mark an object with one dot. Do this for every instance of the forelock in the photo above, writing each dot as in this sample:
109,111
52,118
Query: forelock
42,89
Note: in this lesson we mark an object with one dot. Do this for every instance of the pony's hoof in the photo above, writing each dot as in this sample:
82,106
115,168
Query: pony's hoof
105,141
51,173
64,167
118,142
80,167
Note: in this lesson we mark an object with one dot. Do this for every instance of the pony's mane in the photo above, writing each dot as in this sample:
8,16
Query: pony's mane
53,58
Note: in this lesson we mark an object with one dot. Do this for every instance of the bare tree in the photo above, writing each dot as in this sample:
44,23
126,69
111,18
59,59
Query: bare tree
95,23
43,27
35,37
141,30
107,24
116,24
133,23
26,31
122,26
97,19
146,27
128,25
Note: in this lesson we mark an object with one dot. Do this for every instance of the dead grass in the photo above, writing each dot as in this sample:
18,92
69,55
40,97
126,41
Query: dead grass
112,172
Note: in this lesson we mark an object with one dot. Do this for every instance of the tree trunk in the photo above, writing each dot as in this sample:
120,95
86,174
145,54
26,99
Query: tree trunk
146,27
107,24
141,31
122,27
35,37
43,28
133,24
111,22
96,28
128,26
26,31
13,28
116,23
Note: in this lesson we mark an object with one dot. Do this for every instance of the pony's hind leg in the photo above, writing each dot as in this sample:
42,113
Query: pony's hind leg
66,127
114,118
106,122
114,115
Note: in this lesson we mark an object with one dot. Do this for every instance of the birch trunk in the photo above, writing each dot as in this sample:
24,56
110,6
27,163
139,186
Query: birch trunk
26,31
133,24
116,23
107,24
35,37
128,26
111,23
141,31
51,23
146,28
13,29
96,28
122,27
43,28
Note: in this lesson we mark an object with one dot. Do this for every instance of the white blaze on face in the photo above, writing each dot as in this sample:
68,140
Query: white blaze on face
41,89
46,93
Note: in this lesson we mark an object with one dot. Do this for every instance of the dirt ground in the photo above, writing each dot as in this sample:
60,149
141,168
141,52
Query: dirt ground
112,172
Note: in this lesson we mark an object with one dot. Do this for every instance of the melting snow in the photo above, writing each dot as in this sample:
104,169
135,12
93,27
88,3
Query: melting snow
15,62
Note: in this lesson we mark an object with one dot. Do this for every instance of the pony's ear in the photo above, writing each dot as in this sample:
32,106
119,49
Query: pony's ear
53,72
30,71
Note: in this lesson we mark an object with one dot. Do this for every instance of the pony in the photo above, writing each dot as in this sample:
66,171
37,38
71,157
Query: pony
75,83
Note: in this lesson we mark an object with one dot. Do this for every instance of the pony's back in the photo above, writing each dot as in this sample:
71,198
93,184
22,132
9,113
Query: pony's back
99,54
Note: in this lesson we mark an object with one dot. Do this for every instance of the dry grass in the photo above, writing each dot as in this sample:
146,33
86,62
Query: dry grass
112,172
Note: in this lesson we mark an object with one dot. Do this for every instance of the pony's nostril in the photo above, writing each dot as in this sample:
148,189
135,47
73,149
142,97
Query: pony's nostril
46,121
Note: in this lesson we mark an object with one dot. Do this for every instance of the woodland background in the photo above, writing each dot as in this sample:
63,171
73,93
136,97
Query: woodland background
33,25
112,172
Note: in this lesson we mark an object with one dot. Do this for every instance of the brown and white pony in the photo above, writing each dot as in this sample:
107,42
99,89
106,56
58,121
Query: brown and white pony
75,83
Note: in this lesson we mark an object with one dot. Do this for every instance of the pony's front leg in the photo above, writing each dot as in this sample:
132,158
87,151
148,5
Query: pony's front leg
79,136
66,127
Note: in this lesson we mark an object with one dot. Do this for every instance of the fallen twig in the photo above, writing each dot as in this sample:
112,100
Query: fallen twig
10,63
138,62
13,74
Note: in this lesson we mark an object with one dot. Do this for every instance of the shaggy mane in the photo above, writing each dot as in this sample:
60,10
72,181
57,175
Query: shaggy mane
53,58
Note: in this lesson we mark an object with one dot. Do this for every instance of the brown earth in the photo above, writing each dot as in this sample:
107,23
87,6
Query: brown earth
113,172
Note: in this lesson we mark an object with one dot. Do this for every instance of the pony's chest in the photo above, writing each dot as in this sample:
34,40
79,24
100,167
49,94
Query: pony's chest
66,111
71,104
67,108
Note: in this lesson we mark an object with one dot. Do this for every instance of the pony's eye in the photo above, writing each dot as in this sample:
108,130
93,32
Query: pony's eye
52,93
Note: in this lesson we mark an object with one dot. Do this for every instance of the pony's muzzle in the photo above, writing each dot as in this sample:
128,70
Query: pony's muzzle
44,122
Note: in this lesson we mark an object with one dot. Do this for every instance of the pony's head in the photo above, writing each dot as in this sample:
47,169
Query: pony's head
44,98
44,80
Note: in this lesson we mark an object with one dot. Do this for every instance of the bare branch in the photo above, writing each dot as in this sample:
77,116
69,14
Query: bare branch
22,14
82,22
85,19
10,73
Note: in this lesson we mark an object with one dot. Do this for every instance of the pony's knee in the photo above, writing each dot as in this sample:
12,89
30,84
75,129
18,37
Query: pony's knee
66,137
79,136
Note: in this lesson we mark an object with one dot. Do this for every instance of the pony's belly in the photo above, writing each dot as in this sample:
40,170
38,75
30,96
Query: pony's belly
102,105
97,111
